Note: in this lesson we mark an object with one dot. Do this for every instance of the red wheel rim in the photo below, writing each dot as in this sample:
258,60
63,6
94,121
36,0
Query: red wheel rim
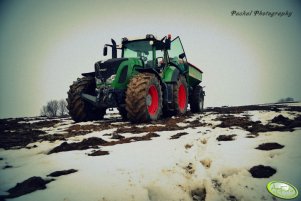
153,103
182,97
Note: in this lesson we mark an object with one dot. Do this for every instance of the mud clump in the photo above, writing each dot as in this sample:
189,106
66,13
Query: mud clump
232,198
146,137
169,124
54,137
240,109
19,138
85,144
261,171
99,153
188,146
280,119
77,129
7,167
117,136
269,146
198,194
28,186
45,123
94,142
61,172
206,163
18,133
189,168
228,121
226,137
178,135
217,185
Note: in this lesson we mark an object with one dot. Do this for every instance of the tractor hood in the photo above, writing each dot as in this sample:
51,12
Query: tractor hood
104,69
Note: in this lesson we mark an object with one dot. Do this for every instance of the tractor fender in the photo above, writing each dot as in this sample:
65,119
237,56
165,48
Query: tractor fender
152,70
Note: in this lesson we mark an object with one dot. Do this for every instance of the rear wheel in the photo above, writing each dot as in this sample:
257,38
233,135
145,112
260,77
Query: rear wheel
80,110
197,99
180,96
144,98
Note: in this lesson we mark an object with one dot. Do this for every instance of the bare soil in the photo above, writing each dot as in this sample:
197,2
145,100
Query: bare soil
19,132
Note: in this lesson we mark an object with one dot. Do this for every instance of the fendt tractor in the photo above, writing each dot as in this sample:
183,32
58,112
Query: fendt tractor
151,78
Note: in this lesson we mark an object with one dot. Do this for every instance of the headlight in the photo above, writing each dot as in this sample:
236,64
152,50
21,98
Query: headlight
111,79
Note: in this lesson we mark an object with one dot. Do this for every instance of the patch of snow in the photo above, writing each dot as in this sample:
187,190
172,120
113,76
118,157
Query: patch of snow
181,124
148,125
119,123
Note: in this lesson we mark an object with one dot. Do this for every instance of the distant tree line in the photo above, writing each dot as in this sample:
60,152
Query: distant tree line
55,108
285,100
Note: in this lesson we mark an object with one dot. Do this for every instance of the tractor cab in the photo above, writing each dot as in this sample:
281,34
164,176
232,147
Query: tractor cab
154,53
149,49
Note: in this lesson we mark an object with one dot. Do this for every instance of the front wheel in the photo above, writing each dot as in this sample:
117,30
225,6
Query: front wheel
80,110
144,98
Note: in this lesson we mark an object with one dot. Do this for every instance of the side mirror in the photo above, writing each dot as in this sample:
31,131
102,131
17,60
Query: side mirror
105,51
114,50
181,56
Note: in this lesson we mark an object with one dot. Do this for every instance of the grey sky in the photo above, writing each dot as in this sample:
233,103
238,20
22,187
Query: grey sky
46,45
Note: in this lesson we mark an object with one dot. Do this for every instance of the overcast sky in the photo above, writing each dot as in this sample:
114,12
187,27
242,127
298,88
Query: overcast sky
46,45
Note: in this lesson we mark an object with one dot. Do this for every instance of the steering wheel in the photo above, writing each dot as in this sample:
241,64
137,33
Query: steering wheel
144,58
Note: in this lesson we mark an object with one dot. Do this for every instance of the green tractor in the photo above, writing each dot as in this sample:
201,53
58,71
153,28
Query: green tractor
151,78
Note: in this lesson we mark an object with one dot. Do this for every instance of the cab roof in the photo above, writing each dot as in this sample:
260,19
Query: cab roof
159,44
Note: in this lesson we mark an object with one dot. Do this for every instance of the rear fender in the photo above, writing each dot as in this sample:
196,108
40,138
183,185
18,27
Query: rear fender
90,74
171,74
162,82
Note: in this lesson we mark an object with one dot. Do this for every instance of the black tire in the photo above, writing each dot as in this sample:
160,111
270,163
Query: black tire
79,110
180,96
123,113
197,99
144,98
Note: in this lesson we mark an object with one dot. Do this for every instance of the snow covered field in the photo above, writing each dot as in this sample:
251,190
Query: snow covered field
221,154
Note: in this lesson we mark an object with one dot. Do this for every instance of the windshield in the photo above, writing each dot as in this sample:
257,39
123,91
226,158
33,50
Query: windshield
141,49
176,50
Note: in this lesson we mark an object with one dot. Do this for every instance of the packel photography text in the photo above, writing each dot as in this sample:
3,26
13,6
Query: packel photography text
261,13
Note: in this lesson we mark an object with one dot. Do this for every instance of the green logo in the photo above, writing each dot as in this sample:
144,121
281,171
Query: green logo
282,189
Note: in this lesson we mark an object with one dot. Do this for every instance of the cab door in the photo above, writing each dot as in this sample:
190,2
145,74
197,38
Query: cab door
177,55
